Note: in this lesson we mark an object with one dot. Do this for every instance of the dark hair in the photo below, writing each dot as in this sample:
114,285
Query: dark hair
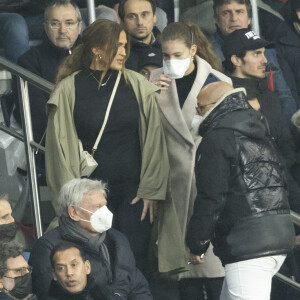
63,246
58,3
8,250
228,65
190,33
121,9
102,34
218,3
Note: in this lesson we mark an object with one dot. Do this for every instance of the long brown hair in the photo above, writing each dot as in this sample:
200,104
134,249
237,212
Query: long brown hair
190,34
103,34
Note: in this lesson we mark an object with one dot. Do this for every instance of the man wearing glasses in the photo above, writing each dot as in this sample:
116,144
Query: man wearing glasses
15,274
62,25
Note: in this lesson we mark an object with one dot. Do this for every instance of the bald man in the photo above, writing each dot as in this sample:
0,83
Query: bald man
241,205
211,94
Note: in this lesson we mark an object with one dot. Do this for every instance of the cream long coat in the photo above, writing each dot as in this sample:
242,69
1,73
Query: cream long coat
182,146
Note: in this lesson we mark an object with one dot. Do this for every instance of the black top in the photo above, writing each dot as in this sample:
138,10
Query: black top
118,154
184,86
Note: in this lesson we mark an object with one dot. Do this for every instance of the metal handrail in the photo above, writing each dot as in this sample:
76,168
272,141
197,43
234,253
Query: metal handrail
288,281
23,77
295,218
91,10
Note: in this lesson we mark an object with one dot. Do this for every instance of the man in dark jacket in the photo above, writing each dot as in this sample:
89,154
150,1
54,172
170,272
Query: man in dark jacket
86,221
246,64
242,198
62,26
138,17
71,275
15,274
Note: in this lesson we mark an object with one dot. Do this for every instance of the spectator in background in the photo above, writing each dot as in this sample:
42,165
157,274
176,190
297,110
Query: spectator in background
15,274
12,231
138,17
286,40
62,25
71,275
21,21
236,14
152,60
87,221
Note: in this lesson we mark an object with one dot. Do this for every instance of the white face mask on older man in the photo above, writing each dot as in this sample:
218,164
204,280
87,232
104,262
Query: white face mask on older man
101,219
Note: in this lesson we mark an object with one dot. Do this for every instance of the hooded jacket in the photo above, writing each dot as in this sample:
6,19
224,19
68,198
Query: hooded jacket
242,198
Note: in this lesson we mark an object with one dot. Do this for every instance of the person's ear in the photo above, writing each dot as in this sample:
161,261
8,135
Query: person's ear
79,26
154,18
193,50
73,213
249,21
236,60
97,51
1,284
54,275
87,265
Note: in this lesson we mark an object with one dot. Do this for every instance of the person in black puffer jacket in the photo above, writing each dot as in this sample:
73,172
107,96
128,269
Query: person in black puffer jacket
241,205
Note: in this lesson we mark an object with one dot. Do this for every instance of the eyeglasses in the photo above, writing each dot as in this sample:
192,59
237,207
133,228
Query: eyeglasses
20,271
200,108
55,25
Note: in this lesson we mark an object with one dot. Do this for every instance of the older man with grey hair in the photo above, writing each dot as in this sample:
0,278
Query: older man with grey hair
86,221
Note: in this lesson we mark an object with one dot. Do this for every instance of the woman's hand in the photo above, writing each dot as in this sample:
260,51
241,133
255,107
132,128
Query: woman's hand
148,204
196,259
162,81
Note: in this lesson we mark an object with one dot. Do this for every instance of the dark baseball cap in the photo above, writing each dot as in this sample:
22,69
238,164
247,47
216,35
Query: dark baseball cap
152,56
243,39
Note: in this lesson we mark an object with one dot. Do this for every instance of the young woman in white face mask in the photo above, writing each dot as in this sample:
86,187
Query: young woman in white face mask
188,64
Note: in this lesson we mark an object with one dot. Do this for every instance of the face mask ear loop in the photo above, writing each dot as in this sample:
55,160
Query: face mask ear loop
83,209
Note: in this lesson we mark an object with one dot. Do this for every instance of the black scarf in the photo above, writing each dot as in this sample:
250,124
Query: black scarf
254,86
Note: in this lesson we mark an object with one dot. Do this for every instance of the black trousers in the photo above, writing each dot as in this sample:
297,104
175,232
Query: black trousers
127,220
200,288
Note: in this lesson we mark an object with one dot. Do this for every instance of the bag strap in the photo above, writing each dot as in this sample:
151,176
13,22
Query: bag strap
107,113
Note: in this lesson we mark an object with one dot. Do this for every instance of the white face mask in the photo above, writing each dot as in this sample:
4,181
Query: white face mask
101,219
196,121
176,68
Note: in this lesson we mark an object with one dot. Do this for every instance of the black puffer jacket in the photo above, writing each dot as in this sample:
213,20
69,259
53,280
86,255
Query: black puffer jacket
118,279
242,200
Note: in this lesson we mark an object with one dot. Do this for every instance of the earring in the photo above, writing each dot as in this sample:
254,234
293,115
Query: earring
193,57
100,57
